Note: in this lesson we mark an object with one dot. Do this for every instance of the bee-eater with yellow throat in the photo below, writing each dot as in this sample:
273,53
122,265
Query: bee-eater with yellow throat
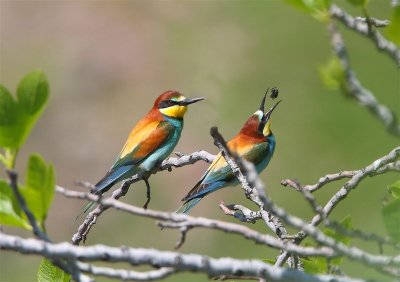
151,140
255,143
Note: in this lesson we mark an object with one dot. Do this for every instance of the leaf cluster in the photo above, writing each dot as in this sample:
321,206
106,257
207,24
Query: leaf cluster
18,116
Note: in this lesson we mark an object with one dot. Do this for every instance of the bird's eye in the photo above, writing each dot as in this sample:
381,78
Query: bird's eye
170,103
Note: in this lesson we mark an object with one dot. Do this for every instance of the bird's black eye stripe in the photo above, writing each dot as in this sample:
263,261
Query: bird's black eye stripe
167,103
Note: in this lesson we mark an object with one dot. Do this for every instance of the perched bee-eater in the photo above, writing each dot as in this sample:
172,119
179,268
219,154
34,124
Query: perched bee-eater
151,140
255,143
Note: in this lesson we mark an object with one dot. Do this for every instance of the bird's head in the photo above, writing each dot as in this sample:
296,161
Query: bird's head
173,104
259,124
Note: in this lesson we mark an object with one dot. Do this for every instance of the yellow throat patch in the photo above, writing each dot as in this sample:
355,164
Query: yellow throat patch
176,111
267,128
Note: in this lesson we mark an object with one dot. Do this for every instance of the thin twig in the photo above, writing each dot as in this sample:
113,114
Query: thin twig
241,212
22,203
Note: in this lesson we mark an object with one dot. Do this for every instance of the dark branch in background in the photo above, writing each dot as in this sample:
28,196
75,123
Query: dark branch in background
69,267
367,28
22,203
355,89
167,164
180,262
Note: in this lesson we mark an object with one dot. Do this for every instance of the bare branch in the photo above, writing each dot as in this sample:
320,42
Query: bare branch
167,164
183,221
180,262
356,179
240,212
387,166
339,228
321,182
249,173
355,89
127,275
392,166
362,26
381,165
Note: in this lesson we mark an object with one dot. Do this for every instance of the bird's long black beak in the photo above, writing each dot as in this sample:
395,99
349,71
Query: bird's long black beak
262,106
267,116
190,101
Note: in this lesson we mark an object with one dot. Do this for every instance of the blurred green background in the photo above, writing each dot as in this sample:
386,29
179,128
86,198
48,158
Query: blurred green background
107,61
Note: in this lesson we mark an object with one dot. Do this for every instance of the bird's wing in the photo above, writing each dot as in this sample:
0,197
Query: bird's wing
219,173
142,141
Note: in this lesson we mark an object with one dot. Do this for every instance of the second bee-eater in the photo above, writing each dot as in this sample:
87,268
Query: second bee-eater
255,143
151,140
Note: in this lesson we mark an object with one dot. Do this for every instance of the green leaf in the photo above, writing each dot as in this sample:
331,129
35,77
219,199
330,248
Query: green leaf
33,92
49,273
39,187
346,223
10,212
17,117
395,189
332,73
316,8
391,218
315,265
358,3
270,261
393,30
11,122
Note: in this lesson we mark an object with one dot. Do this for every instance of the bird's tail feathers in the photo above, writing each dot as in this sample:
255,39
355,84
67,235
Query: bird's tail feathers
188,205
89,206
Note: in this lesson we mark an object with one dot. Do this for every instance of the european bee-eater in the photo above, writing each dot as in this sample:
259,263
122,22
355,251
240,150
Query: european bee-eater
255,143
151,140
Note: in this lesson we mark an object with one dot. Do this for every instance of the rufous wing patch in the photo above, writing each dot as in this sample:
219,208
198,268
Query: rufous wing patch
140,132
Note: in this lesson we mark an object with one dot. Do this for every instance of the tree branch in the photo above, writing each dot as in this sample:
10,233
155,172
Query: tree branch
355,89
180,262
379,166
250,177
127,275
168,164
183,221
362,26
